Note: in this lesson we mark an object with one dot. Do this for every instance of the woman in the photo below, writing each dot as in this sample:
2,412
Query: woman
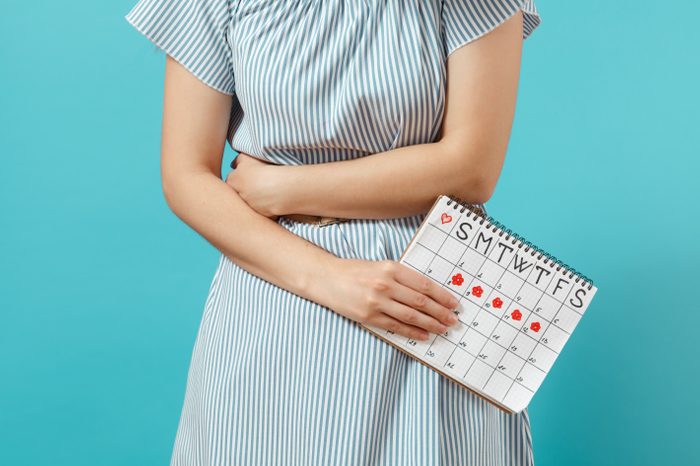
350,118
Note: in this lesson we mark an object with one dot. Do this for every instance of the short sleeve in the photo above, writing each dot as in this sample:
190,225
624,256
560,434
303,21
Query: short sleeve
193,32
464,21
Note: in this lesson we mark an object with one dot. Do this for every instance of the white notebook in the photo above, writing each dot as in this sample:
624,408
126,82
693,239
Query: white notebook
518,304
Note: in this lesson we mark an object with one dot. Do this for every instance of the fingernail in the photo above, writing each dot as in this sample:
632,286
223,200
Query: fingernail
455,303
453,319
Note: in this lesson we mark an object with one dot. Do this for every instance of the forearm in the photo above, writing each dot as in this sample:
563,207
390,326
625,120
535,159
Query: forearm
256,243
395,183
481,91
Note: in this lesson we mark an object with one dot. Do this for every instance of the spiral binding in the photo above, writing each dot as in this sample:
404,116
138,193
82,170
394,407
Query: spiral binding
480,212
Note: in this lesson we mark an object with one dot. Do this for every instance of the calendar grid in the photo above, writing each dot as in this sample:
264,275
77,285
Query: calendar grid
487,336
470,328
514,336
520,348
505,268
519,289
462,294
515,379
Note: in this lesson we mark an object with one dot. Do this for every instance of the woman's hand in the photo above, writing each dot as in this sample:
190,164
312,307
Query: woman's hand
389,295
257,183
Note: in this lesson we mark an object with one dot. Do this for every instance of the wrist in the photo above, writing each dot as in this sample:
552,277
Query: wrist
317,282
284,179
289,184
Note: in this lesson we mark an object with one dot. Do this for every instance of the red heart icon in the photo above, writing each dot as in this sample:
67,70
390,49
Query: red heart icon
535,326
457,279
446,218
516,314
477,291
497,303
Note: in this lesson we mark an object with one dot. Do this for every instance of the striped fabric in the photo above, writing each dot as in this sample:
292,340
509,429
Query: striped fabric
276,379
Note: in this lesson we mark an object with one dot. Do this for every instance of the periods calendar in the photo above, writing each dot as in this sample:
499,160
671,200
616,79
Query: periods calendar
518,304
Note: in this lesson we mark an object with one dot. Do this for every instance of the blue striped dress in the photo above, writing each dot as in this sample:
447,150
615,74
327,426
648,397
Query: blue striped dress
276,379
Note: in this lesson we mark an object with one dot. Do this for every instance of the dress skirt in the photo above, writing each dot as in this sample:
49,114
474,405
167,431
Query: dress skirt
277,379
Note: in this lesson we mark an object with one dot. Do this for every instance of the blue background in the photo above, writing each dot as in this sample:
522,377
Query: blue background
102,287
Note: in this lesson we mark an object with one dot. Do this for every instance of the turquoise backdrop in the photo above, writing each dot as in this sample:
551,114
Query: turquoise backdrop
102,287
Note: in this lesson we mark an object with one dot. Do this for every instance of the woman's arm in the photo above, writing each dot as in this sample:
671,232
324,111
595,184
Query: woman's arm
195,120
383,293
482,81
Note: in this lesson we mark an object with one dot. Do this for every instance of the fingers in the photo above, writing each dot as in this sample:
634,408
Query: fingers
413,317
417,300
389,323
426,286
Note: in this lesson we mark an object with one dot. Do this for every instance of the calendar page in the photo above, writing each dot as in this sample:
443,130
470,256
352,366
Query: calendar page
516,309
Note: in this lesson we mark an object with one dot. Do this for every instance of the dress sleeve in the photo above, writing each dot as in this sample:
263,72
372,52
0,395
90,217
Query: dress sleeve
466,20
193,32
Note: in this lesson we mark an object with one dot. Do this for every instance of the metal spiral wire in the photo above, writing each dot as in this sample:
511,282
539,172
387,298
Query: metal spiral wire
494,225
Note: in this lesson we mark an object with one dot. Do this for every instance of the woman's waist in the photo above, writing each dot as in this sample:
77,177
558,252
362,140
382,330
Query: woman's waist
411,222
360,238
315,219
320,221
